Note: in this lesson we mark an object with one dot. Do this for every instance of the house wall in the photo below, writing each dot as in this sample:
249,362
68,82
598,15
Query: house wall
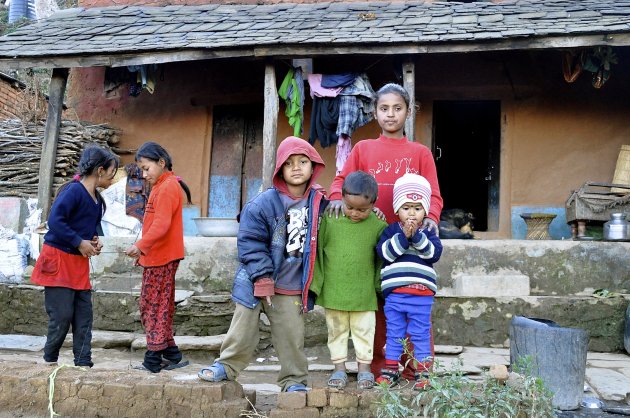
555,136
10,99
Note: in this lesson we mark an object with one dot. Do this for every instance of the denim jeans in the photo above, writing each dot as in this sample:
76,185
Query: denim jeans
66,307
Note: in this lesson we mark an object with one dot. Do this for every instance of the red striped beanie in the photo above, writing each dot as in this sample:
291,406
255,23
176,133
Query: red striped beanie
412,188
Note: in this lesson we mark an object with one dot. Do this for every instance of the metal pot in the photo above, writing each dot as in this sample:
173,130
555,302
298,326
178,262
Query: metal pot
618,228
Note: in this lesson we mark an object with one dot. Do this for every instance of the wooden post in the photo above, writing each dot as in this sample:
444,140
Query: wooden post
557,355
409,83
270,125
49,142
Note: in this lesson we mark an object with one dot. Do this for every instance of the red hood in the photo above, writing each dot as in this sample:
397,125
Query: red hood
294,145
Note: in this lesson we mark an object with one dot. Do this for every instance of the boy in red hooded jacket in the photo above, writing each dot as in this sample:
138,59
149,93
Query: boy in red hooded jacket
276,242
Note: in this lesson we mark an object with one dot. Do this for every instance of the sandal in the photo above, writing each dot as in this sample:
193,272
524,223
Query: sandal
217,370
365,380
170,365
388,377
145,368
298,387
338,380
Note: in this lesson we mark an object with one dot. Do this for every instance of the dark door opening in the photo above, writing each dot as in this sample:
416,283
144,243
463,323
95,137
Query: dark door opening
236,165
467,144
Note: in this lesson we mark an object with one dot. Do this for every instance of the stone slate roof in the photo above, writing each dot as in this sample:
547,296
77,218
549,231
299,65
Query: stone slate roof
286,26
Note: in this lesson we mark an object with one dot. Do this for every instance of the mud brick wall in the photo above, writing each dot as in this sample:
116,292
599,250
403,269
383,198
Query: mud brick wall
113,394
326,403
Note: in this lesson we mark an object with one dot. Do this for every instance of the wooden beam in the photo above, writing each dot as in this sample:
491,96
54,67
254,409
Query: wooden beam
270,125
56,92
409,83
153,56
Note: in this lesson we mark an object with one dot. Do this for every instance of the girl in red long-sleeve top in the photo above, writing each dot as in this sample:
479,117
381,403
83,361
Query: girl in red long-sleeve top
159,251
388,158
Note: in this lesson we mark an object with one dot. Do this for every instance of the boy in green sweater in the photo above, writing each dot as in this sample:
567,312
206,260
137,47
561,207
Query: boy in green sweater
347,277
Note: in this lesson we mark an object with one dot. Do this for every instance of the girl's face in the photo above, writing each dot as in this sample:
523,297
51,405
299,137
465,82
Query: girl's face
391,113
106,176
151,170
296,172
414,211
356,207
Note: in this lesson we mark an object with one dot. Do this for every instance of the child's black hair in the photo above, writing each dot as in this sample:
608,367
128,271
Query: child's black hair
395,89
93,157
155,152
360,183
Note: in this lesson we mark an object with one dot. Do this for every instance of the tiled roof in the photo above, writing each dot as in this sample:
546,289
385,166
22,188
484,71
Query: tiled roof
288,26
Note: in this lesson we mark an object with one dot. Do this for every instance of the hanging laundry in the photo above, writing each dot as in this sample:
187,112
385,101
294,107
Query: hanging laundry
115,78
324,118
344,146
330,81
315,85
146,76
356,108
292,92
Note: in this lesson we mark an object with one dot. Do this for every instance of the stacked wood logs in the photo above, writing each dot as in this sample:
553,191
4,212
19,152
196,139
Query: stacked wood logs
21,148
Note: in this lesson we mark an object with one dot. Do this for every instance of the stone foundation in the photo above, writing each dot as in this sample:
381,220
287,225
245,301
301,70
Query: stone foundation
473,321
24,388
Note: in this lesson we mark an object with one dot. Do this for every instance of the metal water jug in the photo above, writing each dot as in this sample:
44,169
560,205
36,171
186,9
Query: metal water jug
617,228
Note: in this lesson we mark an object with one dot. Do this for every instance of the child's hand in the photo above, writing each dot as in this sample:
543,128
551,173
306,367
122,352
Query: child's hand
430,224
334,208
133,252
87,249
410,228
379,214
97,244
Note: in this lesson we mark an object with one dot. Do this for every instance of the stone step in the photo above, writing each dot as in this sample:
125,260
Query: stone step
459,321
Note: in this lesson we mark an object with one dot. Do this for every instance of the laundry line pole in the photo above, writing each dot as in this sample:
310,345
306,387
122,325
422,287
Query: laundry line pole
270,125
56,92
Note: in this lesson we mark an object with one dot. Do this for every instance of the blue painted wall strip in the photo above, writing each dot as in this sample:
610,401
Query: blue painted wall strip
224,200
558,228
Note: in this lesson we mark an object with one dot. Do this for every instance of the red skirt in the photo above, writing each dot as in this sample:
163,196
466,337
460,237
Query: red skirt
56,268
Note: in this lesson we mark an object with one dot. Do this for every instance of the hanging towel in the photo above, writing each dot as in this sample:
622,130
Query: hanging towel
344,146
315,85
292,92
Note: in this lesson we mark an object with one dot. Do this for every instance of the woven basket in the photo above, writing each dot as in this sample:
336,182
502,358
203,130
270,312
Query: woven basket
538,225
622,170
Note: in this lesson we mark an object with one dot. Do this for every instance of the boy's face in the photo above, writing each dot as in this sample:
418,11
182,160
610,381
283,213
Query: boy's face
297,170
356,208
413,211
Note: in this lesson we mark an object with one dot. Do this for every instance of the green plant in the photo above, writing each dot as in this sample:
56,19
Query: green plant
452,394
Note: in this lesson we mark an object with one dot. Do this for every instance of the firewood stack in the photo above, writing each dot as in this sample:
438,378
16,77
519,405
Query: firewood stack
21,149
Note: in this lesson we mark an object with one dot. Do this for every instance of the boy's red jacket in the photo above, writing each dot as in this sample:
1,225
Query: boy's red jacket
163,227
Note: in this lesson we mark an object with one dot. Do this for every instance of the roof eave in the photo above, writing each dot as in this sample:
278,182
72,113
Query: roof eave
124,58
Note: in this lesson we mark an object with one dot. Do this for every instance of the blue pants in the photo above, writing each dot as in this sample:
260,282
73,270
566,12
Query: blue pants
66,307
408,314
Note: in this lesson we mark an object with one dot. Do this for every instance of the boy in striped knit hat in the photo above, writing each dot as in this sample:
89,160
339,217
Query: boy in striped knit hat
408,280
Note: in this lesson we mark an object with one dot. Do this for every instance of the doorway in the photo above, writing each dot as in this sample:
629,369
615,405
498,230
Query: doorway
466,146
236,158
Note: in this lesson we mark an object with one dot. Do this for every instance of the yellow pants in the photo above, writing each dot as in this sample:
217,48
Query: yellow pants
342,324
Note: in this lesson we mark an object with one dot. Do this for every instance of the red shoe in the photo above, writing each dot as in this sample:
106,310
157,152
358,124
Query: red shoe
422,381
388,377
